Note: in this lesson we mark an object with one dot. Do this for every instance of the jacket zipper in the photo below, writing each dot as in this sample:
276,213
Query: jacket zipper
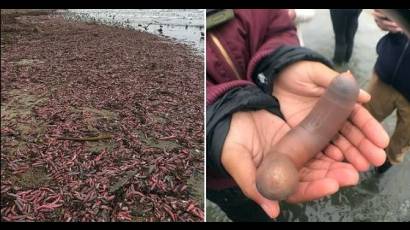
225,55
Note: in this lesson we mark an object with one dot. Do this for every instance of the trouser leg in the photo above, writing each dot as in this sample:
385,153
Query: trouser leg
351,29
339,24
385,99
400,140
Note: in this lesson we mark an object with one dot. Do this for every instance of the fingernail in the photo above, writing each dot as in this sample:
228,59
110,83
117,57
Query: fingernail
268,210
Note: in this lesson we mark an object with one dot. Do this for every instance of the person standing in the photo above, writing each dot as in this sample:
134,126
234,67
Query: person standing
345,24
390,87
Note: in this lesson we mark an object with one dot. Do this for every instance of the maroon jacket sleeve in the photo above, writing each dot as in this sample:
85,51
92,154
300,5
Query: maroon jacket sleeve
245,40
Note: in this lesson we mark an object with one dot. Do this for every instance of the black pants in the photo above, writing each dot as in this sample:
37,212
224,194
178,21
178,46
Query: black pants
345,23
237,206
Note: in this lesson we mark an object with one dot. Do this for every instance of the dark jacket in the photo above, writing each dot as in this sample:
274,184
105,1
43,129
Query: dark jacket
243,57
393,62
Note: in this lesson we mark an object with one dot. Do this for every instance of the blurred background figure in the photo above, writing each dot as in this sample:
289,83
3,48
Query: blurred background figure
300,16
345,23
390,87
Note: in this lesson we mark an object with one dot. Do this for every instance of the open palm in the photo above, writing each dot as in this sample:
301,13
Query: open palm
253,134
362,138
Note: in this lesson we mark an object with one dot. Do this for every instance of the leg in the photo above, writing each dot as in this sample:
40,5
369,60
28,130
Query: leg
339,23
380,106
400,140
382,103
238,207
353,24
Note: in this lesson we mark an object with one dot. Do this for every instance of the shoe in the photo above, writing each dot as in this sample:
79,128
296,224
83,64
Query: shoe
384,167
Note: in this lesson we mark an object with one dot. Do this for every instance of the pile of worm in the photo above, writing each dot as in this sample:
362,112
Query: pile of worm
63,78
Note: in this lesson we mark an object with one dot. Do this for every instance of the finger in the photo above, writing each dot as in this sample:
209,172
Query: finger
374,154
395,29
351,153
324,77
334,152
307,191
386,24
389,23
363,97
381,25
389,26
239,164
369,126
345,174
377,14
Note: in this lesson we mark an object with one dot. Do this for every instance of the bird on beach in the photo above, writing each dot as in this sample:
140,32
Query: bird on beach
146,27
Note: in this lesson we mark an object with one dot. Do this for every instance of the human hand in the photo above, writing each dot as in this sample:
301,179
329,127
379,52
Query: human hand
253,135
385,23
361,140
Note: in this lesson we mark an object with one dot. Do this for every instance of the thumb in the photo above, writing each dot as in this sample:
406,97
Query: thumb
238,162
322,76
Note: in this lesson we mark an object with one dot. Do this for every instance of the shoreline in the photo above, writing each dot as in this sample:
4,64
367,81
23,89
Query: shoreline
87,18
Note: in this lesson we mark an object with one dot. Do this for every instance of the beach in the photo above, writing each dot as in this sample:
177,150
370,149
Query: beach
142,94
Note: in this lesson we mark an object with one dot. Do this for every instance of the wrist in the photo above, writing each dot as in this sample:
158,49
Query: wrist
271,66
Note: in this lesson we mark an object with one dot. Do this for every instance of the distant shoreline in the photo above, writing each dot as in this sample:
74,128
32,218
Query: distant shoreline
144,26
